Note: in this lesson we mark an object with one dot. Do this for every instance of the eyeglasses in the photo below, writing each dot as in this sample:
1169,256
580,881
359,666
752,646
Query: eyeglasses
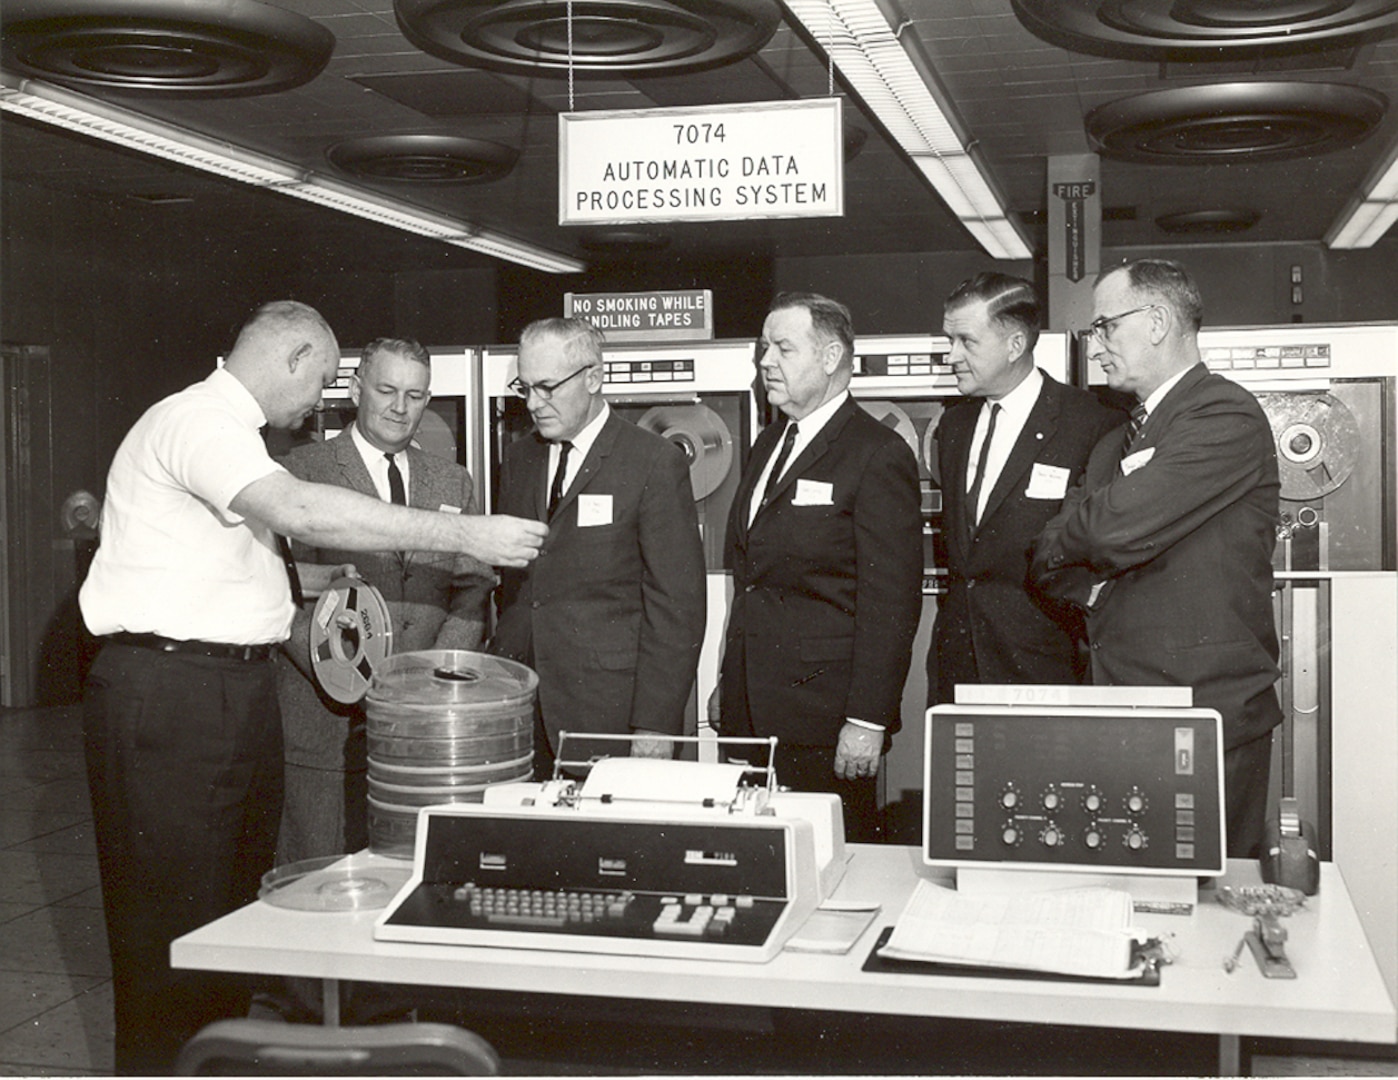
1101,328
543,389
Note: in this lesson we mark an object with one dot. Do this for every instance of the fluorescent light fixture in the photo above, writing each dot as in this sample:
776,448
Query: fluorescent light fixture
1366,218
857,35
59,107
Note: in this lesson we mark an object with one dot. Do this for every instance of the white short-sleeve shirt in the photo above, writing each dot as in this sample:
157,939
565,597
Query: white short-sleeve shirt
173,559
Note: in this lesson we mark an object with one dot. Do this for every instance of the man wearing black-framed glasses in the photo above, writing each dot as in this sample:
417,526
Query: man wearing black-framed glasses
1167,543
544,391
611,615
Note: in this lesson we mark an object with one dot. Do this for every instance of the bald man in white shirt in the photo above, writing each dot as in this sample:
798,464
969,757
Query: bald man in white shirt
190,596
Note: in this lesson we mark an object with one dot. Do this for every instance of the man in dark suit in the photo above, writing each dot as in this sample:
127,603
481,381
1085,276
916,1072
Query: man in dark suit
611,615
1008,453
436,601
1167,543
825,543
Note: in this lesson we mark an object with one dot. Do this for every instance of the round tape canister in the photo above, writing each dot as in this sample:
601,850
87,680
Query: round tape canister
351,635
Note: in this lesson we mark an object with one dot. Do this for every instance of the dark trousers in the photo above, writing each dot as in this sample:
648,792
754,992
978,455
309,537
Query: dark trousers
184,759
1247,771
812,768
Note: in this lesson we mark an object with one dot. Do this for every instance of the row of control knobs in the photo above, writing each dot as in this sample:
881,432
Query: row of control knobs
1051,799
1093,837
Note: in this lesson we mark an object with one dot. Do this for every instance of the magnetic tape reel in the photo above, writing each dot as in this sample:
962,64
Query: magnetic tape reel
702,435
356,882
1317,441
351,635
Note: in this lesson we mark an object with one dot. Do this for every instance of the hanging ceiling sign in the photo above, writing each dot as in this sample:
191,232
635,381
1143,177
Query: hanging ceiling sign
772,159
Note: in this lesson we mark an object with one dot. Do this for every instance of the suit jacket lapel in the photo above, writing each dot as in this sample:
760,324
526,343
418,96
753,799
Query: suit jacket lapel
422,493
762,449
351,463
534,469
591,464
1038,428
958,432
1169,405
356,473
813,452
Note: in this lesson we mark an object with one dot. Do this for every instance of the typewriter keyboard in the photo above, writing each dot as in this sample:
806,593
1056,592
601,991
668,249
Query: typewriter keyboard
704,916
540,908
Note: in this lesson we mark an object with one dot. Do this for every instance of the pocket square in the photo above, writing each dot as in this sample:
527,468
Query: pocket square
1131,462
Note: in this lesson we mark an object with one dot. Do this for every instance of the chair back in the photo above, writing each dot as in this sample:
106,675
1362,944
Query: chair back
248,1047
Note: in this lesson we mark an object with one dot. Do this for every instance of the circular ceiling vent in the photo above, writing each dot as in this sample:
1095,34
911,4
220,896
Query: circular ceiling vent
1209,222
1196,29
1232,122
609,37
222,49
432,159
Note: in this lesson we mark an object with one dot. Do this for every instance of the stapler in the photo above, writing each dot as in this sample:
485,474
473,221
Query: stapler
1289,851
1267,940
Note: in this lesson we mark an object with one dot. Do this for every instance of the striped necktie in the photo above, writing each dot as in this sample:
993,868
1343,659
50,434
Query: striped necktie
1137,421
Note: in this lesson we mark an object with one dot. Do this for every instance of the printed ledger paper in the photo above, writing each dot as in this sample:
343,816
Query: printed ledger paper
1069,931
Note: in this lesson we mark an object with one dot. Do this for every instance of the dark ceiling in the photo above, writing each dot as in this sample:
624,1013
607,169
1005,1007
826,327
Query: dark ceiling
1261,135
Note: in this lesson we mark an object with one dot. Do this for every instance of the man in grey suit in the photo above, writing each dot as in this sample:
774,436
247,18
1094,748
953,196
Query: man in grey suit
1167,541
612,614
436,601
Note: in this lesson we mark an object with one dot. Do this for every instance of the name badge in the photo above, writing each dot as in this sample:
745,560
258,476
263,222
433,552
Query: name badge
813,493
1131,462
1047,482
594,510
447,508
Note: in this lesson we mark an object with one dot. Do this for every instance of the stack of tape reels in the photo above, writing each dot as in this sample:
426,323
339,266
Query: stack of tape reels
442,726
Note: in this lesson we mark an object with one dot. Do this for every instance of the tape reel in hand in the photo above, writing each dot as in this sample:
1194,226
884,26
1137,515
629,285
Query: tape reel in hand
351,635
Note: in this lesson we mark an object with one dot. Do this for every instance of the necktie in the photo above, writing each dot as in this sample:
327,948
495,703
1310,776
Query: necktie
556,491
777,466
1137,421
395,483
973,497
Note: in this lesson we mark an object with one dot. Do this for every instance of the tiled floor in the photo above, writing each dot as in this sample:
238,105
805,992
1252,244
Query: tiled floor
55,977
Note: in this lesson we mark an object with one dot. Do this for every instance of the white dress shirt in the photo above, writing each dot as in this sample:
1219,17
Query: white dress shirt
806,431
174,558
377,464
581,443
1015,408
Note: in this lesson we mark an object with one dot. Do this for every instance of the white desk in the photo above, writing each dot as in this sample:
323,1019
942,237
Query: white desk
1338,994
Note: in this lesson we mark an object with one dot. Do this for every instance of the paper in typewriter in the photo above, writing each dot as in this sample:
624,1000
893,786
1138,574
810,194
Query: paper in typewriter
1067,931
